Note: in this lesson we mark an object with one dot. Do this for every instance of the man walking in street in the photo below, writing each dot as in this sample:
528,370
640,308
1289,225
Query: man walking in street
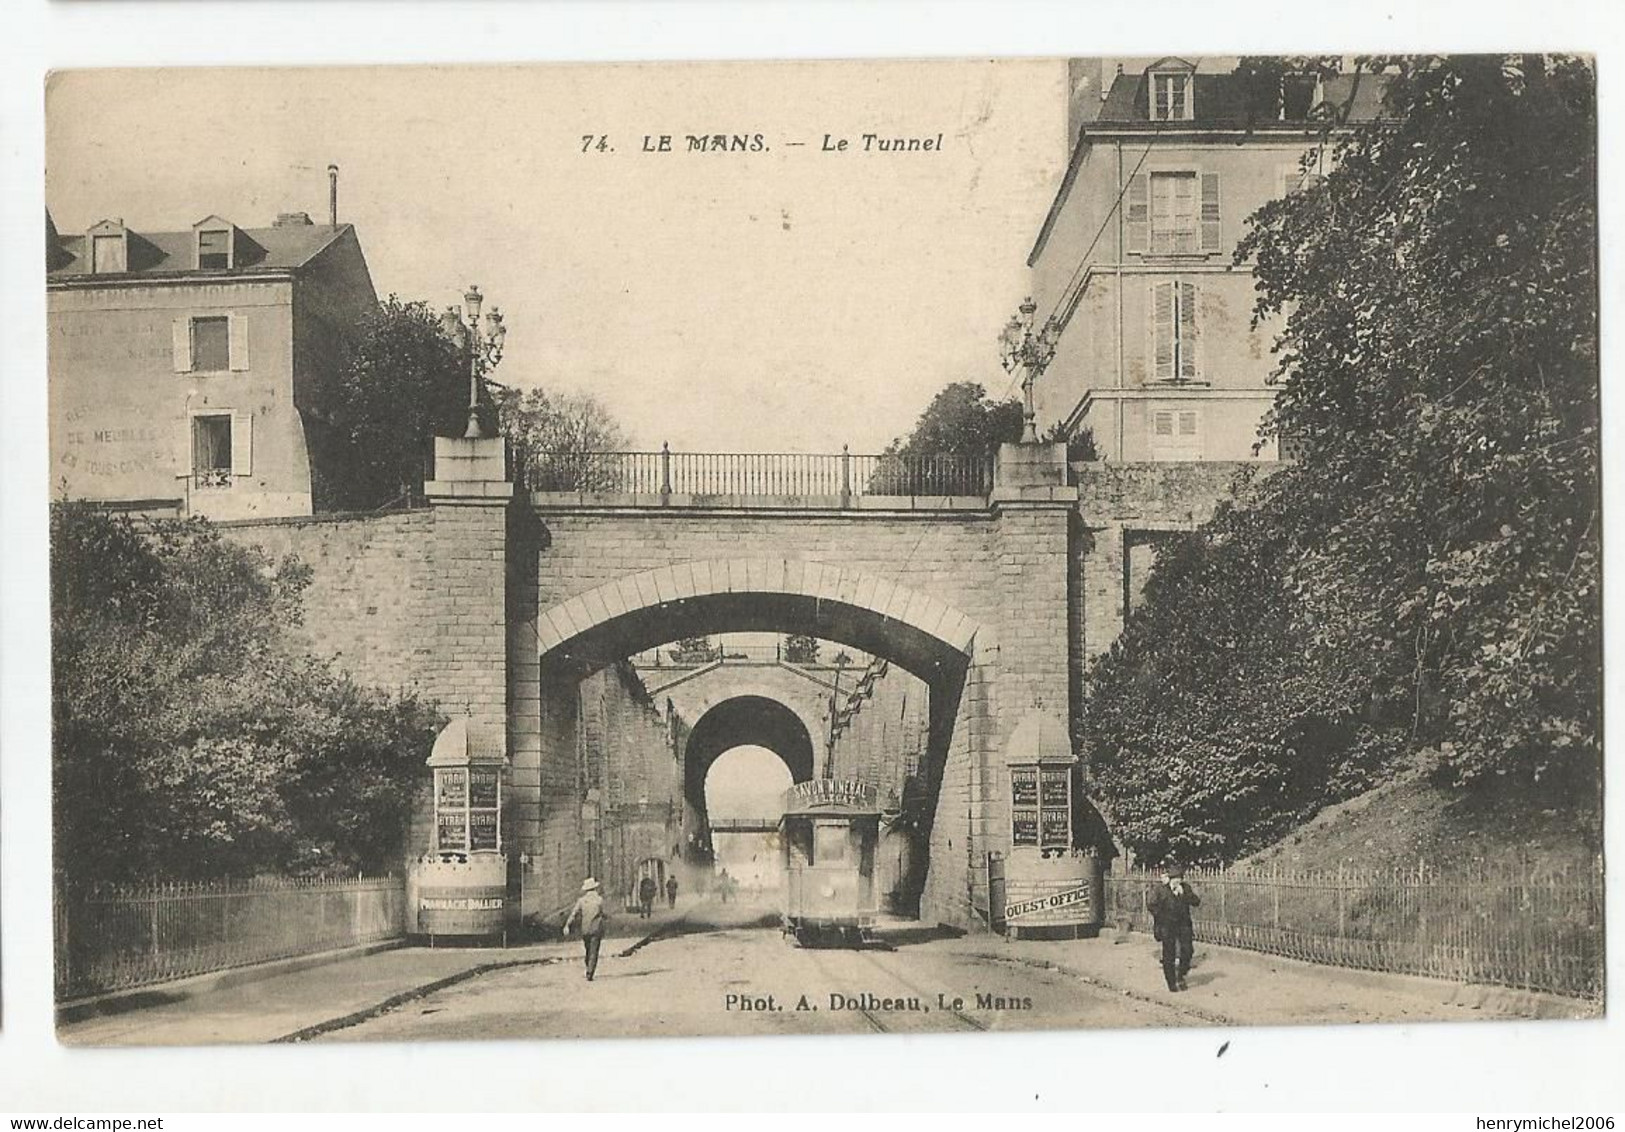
1170,907
646,896
589,910
671,892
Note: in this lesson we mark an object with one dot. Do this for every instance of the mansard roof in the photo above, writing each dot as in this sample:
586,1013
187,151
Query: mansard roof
285,247
1224,101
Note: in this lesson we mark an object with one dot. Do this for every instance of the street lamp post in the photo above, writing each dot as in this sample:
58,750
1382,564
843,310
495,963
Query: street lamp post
1020,348
483,352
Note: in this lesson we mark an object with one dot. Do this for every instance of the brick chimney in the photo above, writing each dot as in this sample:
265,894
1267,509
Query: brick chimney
292,220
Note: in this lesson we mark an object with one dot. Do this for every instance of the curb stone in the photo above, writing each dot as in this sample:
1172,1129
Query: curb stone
356,1017
140,998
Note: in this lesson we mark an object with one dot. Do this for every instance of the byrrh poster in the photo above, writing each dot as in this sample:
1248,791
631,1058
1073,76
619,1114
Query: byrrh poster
796,549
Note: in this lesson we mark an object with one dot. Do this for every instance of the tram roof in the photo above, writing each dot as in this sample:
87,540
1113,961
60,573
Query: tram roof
831,797
832,810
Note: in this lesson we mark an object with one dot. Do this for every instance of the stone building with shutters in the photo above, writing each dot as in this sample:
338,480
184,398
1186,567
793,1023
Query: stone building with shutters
189,370
1133,267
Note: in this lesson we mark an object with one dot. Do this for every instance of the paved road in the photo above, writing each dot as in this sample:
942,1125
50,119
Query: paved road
728,971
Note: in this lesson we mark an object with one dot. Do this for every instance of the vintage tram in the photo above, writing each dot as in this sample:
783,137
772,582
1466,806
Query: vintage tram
828,837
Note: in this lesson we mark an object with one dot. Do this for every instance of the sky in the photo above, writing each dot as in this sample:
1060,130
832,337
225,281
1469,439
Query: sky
746,782
792,299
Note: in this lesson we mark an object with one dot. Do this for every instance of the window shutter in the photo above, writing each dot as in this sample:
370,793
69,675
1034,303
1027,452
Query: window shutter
1187,422
1162,331
1210,212
1139,213
189,443
1162,423
183,345
238,329
1187,331
242,444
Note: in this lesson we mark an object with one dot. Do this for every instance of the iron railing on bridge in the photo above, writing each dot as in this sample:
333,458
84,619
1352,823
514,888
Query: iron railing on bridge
843,475
727,652
112,938
744,825
1519,927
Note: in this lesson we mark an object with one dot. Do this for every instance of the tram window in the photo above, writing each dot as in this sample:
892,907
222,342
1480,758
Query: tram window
829,844
800,843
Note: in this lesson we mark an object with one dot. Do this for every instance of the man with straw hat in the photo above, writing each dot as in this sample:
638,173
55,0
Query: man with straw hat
589,910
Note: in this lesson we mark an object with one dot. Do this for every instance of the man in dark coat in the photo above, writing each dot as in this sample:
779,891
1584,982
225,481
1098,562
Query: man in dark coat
1170,907
646,896
671,892
589,912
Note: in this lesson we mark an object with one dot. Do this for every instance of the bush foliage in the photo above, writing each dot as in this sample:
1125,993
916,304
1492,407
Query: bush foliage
403,383
1423,585
190,737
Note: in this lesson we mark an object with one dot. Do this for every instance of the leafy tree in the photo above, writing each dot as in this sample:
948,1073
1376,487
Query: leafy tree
1214,724
558,437
695,650
403,383
961,419
1080,445
190,739
801,648
1430,568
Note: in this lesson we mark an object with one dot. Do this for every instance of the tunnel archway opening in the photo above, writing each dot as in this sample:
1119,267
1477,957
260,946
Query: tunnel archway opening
746,784
735,724
918,634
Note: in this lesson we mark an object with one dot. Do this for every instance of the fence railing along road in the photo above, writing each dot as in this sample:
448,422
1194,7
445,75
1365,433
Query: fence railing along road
118,937
843,475
1536,930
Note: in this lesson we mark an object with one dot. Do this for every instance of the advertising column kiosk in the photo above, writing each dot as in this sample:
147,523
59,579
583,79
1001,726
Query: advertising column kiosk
1052,889
460,887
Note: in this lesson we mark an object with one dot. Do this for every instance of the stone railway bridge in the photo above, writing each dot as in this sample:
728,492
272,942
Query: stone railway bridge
498,602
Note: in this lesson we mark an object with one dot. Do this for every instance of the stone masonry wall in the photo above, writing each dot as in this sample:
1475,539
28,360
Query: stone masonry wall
945,557
642,780
887,727
368,605
1124,510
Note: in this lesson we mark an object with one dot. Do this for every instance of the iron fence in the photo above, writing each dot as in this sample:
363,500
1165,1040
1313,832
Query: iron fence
1535,929
117,937
727,652
842,475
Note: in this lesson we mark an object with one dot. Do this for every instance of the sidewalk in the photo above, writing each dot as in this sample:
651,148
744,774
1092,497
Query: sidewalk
1232,986
278,1005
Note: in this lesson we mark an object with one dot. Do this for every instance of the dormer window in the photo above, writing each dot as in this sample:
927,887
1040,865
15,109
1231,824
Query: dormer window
1172,96
215,242
109,248
214,249
107,254
1298,96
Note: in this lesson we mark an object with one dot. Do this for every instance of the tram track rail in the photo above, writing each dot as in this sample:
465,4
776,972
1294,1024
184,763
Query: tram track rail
877,1021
